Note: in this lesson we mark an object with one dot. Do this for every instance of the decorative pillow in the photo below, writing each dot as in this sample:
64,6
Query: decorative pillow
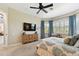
67,40
74,40
56,35
64,35
71,42
77,44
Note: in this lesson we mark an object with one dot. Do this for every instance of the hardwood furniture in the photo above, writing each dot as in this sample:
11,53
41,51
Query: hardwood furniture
26,38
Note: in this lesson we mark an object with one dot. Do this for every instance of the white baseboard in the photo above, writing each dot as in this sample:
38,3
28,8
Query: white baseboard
15,44
11,45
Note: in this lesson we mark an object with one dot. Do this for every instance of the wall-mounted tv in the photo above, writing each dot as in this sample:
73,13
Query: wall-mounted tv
29,27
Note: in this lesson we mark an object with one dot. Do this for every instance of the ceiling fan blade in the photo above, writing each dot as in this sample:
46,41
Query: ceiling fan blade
45,11
34,7
38,11
48,6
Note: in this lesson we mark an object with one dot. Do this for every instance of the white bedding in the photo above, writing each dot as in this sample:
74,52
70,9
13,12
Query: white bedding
60,41
55,40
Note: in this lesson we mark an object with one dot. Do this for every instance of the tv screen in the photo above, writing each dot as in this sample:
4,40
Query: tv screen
29,27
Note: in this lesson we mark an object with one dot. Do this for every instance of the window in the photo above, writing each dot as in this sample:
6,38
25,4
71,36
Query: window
61,25
46,28
77,23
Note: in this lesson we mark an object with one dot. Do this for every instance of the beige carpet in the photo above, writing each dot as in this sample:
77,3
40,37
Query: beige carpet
20,50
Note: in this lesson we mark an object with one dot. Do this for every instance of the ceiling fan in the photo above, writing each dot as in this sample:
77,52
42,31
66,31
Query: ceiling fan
41,7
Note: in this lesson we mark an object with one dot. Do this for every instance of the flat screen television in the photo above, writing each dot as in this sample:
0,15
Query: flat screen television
29,27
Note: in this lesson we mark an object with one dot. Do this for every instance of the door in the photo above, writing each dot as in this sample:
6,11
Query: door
3,29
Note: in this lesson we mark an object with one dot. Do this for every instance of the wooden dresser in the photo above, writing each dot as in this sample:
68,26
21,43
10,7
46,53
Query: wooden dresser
26,38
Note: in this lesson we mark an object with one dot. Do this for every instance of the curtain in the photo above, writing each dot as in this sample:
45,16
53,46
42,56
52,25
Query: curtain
72,25
50,28
42,30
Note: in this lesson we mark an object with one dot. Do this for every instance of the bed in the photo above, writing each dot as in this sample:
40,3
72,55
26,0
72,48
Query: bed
54,46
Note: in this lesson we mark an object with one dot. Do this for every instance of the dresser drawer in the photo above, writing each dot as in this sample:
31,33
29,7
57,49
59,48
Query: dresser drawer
29,38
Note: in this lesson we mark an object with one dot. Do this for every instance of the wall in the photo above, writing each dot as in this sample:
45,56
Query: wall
15,23
3,8
16,20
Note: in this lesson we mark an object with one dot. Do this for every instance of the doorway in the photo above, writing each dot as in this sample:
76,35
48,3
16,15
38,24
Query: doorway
3,29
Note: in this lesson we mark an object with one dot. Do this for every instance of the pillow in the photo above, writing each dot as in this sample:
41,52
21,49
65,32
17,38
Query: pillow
67,40
56,35
74,40
63,35
77,44
71,42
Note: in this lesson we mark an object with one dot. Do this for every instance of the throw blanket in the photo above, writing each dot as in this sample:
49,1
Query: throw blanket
46,48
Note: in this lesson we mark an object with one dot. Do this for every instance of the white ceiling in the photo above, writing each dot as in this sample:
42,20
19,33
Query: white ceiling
58,9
